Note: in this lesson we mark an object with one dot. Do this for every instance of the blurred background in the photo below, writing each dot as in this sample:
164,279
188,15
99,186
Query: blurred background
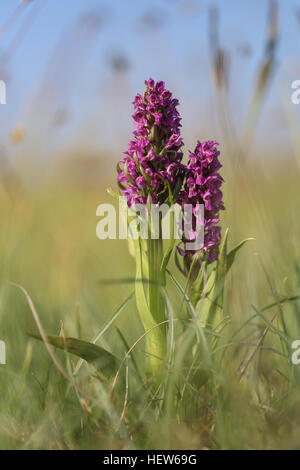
71,70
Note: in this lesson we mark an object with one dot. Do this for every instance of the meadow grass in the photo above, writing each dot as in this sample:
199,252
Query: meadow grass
243,394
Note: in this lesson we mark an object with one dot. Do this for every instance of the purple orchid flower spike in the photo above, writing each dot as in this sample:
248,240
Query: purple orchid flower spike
152,164
202,186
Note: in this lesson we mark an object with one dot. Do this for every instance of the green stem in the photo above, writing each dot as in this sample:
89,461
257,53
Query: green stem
156,303
151,309
155,297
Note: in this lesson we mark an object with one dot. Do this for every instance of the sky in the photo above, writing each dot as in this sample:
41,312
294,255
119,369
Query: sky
72,67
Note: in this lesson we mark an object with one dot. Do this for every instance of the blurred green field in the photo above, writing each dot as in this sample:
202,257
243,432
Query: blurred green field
49,246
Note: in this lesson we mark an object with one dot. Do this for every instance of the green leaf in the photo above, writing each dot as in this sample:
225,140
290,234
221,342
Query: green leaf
199,330
211,308
104,328
222,260
232,254
101,358
214,311
156,338
168,253
209,284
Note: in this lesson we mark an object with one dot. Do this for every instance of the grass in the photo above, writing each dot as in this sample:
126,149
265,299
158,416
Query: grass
49,246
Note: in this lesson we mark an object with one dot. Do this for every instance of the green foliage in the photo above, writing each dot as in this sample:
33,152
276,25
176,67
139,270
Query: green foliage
212,305
197,398
99,357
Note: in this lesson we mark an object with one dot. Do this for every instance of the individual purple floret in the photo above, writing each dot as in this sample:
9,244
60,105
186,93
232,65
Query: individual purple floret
202,186
152,164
